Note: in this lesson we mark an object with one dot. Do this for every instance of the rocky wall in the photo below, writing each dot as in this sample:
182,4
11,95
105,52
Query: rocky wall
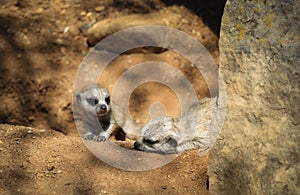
258,149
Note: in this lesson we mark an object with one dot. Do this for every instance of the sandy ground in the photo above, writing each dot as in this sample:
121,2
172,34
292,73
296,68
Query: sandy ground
48,162
42,44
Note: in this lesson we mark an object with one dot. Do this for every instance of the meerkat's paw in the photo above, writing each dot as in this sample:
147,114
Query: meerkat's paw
89,136
103,136
99,138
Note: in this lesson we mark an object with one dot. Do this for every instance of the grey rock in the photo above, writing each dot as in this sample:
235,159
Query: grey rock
258,149
84,28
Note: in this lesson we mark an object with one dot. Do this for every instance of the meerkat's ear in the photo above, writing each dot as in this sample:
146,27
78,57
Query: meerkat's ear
172,141
78,98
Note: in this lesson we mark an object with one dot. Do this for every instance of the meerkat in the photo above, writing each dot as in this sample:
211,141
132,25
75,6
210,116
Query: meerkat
170,135
102,118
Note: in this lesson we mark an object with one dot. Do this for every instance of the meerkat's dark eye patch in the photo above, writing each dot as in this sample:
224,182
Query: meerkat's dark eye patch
172,141
92,101
107,99
150,142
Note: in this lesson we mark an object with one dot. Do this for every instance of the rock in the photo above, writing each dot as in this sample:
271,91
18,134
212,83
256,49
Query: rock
39,10
89,14
169,17
84,28
73,30
83,13
258,149
99,8
58,41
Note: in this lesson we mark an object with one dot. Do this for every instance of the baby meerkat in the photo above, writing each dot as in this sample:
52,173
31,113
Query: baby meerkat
171,135
101,118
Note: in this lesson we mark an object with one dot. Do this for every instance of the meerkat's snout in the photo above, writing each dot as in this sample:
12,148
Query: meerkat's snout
137,145
101,109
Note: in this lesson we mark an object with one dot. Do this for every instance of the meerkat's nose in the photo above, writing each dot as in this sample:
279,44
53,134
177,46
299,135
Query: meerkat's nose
137,145
103,107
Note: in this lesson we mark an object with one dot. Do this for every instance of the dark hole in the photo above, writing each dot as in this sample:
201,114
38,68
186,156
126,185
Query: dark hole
207,183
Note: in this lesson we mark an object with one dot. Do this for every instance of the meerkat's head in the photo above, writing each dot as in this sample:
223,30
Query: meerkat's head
159,136
94,99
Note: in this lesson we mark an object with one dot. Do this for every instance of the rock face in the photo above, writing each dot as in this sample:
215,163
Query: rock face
258,149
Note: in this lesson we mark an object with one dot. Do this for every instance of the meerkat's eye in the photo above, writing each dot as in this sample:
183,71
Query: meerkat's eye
172,141
107,99
149,141
92,101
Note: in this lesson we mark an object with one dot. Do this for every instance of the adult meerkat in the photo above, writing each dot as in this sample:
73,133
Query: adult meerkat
171,135
101,118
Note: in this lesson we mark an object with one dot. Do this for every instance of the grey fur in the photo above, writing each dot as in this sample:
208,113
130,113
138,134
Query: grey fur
171,135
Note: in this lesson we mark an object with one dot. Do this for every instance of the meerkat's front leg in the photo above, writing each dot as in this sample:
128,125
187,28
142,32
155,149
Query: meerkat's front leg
91,134
104,135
